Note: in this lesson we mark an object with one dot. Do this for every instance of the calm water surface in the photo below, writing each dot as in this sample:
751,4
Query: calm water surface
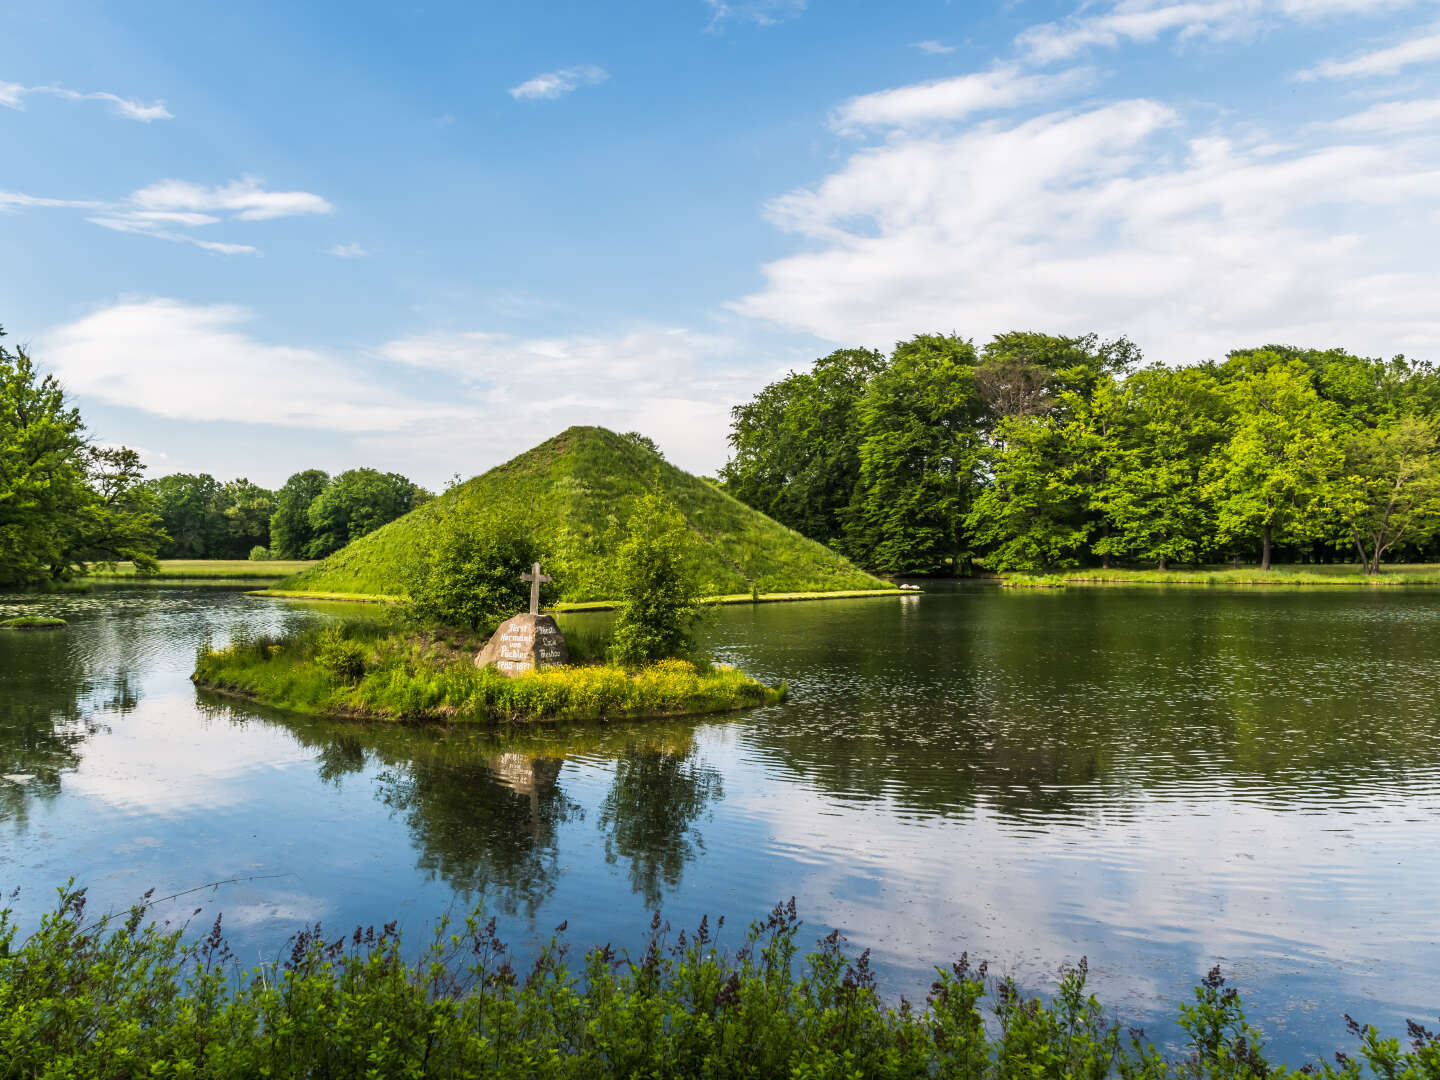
1158,780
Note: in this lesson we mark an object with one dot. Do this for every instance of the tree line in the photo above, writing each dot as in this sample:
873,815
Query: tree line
1039,452
312,515
67,501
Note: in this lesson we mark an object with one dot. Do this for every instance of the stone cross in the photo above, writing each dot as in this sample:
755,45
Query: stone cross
535,577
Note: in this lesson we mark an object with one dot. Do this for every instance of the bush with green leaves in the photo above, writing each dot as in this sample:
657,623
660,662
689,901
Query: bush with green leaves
655,589
470,574
114,997
338,656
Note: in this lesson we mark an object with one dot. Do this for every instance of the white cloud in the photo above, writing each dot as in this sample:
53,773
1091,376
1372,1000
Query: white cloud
1393,117
927,103
934,48
1418,50
1146,20
1100,220
12,95
191,362
554,84
13,200
347,251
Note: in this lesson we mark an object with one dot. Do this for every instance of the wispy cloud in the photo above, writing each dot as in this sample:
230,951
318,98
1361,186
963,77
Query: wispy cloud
1393,117
553,84
1418,50
759,12
1144,21
347,251
13,95
162,210
934,48
952,99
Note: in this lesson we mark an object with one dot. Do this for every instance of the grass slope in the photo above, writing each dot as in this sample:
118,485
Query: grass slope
572,488
1310,574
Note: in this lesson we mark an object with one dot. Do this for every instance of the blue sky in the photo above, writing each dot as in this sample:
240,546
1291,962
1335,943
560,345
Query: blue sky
259,238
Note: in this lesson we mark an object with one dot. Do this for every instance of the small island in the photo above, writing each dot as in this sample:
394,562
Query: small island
464,648
33,622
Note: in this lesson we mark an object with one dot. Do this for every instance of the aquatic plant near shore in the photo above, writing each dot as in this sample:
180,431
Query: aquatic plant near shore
33,622
87,998
371,668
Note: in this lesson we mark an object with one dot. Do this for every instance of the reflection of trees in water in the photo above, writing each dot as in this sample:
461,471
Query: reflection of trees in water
51,702
649,815
486,825
483,809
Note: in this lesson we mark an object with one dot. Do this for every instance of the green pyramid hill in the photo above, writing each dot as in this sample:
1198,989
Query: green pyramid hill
573,490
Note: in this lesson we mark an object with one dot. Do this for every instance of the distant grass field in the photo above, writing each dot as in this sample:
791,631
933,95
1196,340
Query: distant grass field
1349,574
574,491
208,570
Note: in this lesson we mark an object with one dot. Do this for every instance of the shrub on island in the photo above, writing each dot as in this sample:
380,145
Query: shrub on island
33,622
111,997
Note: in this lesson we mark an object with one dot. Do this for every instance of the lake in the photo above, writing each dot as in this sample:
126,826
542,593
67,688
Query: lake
1159,780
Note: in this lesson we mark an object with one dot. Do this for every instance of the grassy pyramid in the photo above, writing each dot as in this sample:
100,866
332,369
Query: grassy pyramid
575,490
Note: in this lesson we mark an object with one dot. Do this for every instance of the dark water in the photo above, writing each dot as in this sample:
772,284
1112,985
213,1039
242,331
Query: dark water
1159,780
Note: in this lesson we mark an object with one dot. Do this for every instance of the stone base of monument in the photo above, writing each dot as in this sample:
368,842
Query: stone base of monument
524,643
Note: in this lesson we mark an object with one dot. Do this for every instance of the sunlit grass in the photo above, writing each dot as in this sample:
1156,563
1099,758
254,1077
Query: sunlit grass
1351,574
208,570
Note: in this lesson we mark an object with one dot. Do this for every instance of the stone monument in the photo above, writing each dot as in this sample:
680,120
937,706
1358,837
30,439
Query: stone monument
527,642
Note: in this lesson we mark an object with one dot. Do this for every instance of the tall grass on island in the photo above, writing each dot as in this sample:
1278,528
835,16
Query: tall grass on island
378,669
1328,574
87,998
202,570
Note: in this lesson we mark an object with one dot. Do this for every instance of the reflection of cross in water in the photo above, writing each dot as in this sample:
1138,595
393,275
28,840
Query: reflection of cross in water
535,577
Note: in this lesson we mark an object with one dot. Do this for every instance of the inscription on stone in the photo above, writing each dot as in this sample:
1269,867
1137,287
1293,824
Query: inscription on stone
525,643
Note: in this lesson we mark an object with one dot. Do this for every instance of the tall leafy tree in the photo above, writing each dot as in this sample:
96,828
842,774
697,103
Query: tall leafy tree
63,501
1390,491
920,454
1152,496
245,512
188,504
797,444
290,529
1271,477
358,502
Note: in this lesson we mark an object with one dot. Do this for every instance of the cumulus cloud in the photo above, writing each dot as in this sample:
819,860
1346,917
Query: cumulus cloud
199,362
488,395
1379,62
955,98
1105,219
553,84
13,95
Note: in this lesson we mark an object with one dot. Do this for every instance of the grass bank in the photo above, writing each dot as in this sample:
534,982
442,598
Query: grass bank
605,605
87,998
1344,574
33,622
373,670
204,570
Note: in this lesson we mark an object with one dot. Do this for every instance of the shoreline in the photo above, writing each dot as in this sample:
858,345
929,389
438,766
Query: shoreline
573,607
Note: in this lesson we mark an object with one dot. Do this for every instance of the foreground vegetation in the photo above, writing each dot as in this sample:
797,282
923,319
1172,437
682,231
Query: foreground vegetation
377,670
1037,453
1304,574
122,998
573,497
